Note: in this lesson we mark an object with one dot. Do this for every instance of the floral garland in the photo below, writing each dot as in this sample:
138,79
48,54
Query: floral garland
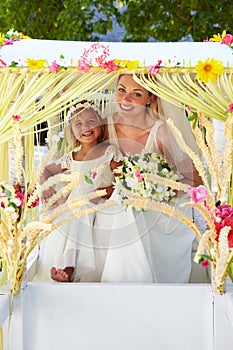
11,36
223,38
95,59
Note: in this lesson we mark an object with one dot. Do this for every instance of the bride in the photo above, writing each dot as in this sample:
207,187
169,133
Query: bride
144,246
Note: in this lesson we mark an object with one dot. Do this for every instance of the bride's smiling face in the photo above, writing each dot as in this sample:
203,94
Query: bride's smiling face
130,97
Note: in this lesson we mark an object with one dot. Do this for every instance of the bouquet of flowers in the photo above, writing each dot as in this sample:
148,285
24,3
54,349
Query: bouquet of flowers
213,200
146,175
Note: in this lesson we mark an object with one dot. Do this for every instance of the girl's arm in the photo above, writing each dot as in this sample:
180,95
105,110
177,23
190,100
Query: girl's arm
50,170
109,189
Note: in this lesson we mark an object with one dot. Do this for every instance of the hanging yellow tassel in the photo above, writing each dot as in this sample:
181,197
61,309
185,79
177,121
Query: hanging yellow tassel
4,170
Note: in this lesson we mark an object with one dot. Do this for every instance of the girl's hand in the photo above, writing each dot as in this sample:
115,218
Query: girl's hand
46,195
109,190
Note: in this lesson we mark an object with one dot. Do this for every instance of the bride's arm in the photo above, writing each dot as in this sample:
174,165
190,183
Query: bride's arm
178,159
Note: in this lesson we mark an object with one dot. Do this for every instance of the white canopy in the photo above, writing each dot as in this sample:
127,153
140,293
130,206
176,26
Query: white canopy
146,53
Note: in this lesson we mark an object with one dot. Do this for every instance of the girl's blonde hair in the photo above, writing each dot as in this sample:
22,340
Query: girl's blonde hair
75,110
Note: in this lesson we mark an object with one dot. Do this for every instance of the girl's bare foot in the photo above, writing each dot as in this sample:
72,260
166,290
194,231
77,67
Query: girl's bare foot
60,275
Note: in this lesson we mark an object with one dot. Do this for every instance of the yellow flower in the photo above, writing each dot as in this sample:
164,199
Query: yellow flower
120,63
22,36
126,63
132,64
209,70
218,37
2,36
36,64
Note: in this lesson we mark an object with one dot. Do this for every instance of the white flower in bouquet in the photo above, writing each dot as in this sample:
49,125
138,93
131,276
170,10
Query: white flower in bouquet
135,177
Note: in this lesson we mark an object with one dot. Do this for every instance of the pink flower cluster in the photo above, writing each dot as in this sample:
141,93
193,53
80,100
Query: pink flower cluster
89,58
228,40
16,117
54,68
10,41
155,69
230,108
138,175
224,217
198,194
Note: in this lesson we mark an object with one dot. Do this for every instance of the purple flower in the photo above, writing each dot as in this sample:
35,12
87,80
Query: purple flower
93,174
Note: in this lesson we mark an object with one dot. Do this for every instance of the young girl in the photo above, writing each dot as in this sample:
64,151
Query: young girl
71,247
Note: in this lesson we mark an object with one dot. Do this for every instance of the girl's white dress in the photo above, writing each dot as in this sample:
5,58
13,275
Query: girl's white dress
143,246
72,244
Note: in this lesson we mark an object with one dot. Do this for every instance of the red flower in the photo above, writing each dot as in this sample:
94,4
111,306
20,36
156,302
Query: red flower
19,191
109,65
205,263
16,117
36,203
228,221
2,63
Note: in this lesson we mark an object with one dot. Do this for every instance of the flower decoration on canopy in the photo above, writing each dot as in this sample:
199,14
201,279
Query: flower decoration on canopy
11,36
223,38
230,108
209,70
56,66
36,64
96,57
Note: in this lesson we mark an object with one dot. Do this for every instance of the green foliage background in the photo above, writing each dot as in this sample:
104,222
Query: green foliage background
161,20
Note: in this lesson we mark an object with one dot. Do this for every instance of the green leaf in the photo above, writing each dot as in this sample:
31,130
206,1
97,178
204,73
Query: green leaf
204,257
88,180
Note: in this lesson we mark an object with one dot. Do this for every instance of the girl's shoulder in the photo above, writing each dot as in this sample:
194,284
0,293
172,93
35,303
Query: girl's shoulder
65,161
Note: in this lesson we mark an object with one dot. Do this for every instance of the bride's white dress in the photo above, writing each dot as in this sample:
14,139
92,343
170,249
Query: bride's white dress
72,244
143,246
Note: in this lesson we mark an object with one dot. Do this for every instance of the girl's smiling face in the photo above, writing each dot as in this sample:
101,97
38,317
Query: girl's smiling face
85,127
